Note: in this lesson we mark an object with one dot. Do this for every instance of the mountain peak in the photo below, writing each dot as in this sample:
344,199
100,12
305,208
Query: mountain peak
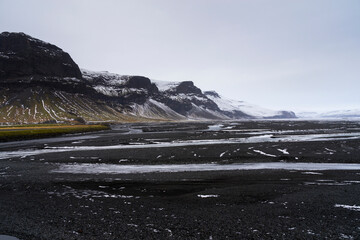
187,87
22,56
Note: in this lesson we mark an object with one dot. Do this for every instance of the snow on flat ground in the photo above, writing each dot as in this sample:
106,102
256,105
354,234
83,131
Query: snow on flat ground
265,154
350,207
89,168
7,237
216,127
207,196
284,151
254,139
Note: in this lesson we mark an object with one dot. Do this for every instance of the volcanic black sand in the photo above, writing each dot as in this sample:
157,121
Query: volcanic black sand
39,201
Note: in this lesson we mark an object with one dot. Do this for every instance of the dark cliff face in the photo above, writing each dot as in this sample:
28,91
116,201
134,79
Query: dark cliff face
186,99
23,56
122,89
186,87
142,82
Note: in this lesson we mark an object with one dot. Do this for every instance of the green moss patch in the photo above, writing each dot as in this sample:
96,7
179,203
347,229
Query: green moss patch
31,132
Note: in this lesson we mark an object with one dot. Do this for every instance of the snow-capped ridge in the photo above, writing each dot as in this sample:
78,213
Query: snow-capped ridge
251,110
164,86
107,77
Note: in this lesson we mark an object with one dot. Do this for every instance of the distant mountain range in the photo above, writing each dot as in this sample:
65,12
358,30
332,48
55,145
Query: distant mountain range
352,113
39,82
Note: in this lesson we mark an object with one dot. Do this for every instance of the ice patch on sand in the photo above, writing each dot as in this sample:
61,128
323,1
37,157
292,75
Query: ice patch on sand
222,154
254,139
265,154
350,207
311,173
216,127
327,183
207,196
284,151
98,168
7,237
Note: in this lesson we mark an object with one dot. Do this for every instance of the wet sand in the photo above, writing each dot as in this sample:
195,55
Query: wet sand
39,203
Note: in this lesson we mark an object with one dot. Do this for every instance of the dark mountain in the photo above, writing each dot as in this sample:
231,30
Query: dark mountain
39,82
24,56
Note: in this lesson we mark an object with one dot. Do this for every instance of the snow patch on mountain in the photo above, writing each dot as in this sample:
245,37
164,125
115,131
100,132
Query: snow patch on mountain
182,96
230,105
164,85
203,113
112,79
117,92
154,109
109,91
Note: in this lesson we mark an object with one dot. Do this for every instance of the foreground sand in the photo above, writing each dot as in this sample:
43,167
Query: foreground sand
38,203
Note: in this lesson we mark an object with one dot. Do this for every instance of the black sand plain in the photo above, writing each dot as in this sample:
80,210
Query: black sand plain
38,203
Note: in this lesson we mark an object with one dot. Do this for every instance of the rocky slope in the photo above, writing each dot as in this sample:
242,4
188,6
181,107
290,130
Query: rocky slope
39,82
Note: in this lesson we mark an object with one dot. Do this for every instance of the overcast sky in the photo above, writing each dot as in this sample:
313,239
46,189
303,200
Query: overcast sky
280,54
